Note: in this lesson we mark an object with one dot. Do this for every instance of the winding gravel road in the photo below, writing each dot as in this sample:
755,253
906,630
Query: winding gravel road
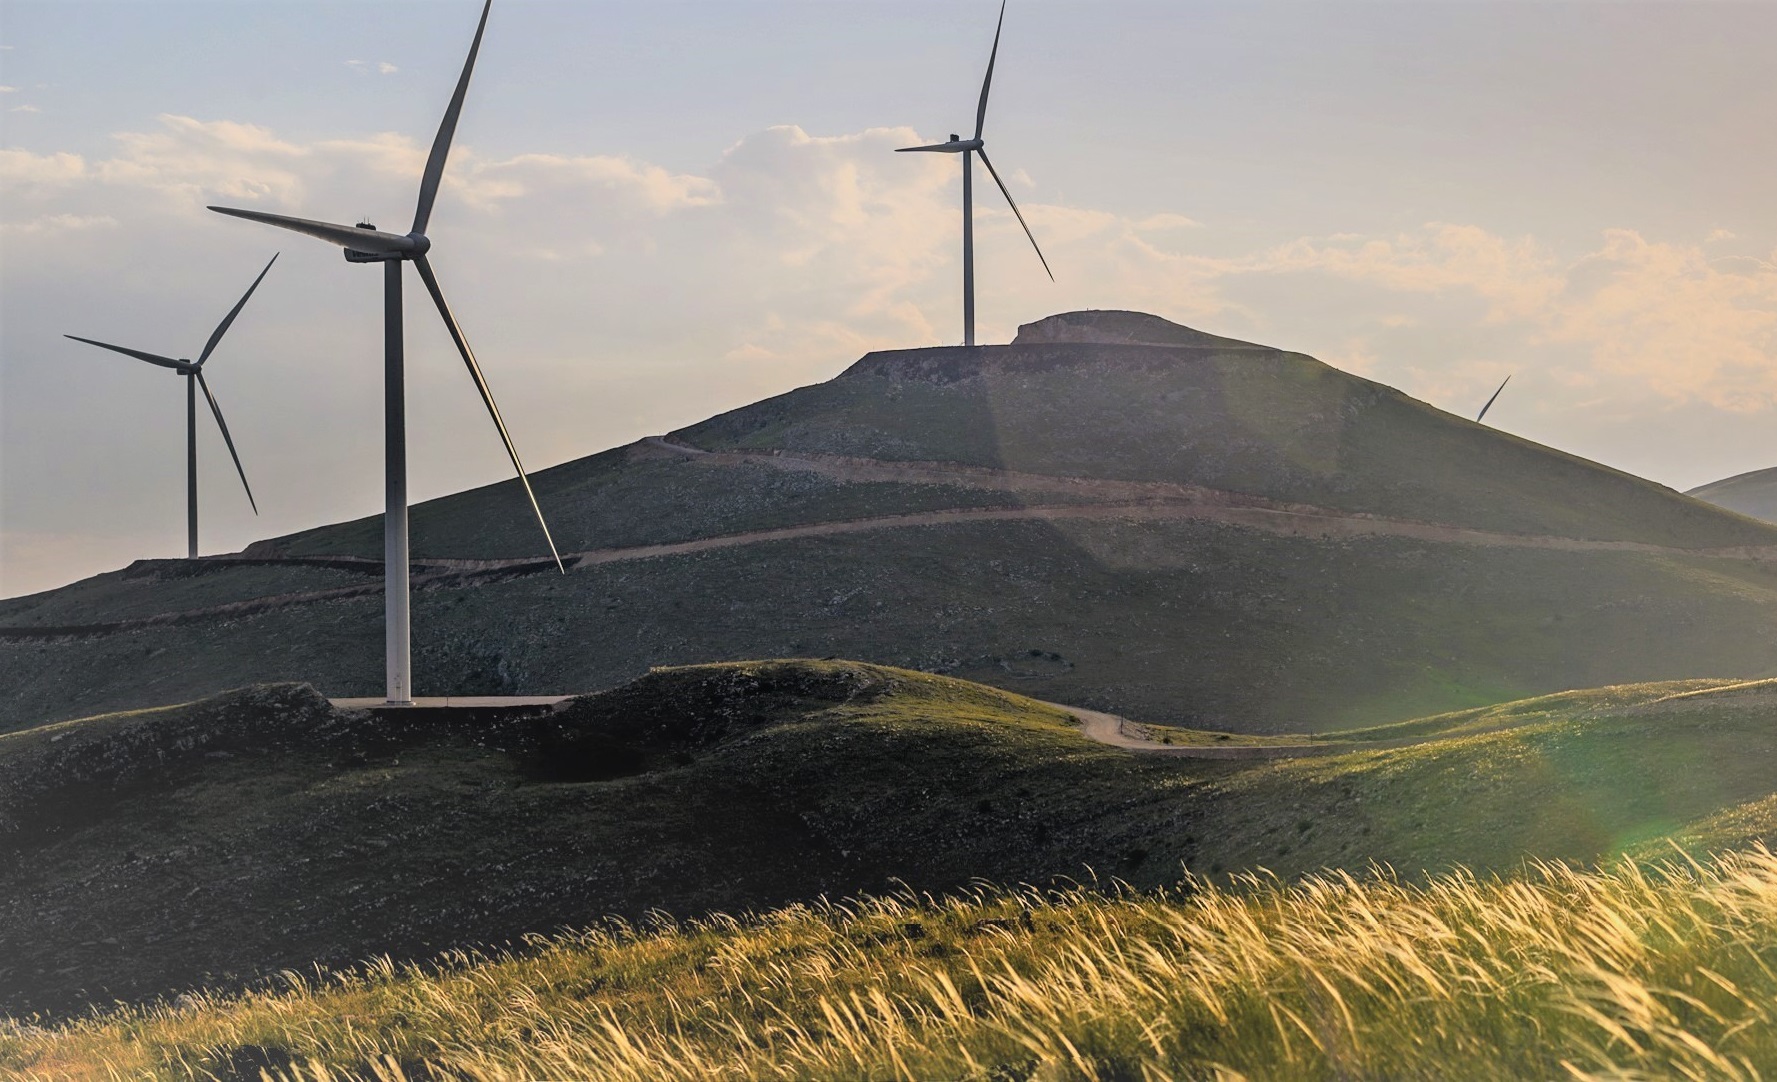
1121,501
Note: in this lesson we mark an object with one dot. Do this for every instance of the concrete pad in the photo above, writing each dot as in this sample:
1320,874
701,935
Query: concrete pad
466,702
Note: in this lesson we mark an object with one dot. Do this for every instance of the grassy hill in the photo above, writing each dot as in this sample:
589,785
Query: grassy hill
1095,395
1113,511
1229,416
1550,974
1753,494
1202,623
225,840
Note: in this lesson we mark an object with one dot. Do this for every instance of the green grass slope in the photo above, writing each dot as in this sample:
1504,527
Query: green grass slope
228,839
1551,973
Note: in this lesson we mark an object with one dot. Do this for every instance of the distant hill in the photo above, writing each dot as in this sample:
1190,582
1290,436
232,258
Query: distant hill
228,839
1753,493
1113,511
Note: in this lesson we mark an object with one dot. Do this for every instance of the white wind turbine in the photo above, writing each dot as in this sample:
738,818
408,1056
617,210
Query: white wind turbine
364,243
193,371
968,148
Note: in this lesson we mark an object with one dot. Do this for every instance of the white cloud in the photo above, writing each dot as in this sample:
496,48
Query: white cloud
24,109
611,296
9,90
1155,223
19,167
812,244
1661,316
53,223
383,67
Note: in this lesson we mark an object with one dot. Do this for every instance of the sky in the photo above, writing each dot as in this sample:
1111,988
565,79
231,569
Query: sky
657,211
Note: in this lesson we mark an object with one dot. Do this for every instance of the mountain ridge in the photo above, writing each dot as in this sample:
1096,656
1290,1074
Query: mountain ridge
1199,533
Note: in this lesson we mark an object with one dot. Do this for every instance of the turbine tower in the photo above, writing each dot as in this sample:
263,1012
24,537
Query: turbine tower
1490,401
364,243
968,148
193,371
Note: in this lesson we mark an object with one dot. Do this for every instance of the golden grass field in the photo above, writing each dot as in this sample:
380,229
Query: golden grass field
1630,971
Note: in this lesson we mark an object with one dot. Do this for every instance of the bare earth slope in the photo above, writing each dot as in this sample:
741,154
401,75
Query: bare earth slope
1114,512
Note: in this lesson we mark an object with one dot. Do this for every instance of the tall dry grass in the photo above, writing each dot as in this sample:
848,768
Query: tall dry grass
1625,973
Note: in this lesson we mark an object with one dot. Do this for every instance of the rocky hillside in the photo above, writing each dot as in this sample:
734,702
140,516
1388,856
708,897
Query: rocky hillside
1113,511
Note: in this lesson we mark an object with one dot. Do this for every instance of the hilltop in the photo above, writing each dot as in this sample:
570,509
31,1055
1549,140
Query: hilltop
225,840
1081,397
1753,493
1112,511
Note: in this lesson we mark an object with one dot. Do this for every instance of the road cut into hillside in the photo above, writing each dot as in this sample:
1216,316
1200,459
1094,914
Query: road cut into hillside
1095,500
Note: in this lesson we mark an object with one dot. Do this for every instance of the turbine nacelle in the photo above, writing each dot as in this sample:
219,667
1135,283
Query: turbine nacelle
956,146
364,243
421,246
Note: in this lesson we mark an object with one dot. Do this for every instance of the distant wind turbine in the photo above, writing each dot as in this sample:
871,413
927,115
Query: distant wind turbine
968,148
1490,401
364,243
193,371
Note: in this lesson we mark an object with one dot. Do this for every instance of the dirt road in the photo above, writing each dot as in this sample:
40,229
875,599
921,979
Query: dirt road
1098,500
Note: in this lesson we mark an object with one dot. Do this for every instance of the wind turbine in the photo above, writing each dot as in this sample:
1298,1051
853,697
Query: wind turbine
193,371
1490,401
364,243
968,148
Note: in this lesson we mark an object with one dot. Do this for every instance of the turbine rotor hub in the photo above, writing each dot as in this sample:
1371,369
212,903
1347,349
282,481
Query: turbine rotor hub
421,245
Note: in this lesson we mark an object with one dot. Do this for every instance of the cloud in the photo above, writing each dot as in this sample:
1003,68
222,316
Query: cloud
1154,223
54,223
381,67
9,90
1658,316
792,246
24,109
611,296
22,167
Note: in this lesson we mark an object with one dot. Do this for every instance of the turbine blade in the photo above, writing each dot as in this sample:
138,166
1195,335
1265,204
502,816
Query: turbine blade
346,236
942,148
1020,214
221,328
981,109
447,129
151,358
1490,401
226,438
487,397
